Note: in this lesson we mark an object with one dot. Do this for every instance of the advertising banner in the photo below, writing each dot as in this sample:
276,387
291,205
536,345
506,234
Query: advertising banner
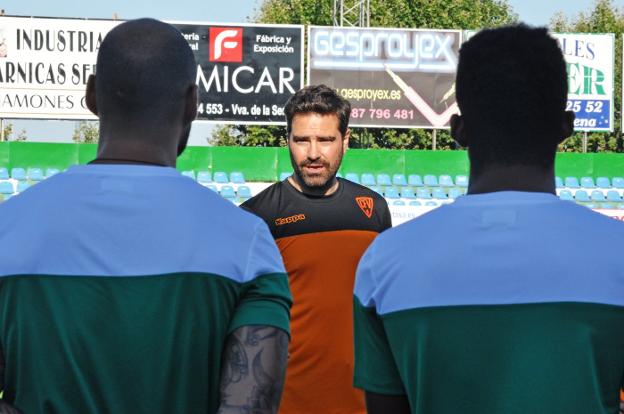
398,78
245,75
590,64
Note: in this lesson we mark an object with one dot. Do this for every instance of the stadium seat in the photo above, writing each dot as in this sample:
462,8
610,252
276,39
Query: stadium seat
461,181
6,187
423,193
614,196
18,174
558,182
415,180
591,205
353,177
607,205
618,182
284,175
392,192
408,193
398,203
227,191
431,204
338,175
431,180
439,193
243,192
189,174
368,179
204,177
581,195
446,181
237,177
377,190
571,182
619,206
415,203
587,182
22,186
597,195
399,180
35,174
51,171
603,182
384,180
566,195
220,177
4,174
212,187
454,192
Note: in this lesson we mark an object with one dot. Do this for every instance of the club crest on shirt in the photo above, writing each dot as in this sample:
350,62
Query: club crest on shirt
366,205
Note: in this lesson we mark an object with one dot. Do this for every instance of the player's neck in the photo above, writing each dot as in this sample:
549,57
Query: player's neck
125,150
318,191
512,178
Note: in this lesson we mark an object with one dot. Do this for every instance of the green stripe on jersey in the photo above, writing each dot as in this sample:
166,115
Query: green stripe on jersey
495,359
148,344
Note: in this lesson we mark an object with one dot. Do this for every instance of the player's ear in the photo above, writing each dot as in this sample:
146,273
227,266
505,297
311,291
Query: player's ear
345,140
458,131
90,95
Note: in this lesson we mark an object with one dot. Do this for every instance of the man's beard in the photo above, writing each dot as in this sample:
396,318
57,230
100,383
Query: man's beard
318,182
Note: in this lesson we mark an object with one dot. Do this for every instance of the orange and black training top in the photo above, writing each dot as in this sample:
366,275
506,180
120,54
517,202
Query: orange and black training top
321,240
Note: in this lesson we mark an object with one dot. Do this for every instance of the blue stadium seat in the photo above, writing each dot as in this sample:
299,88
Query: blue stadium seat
439,193
581,195
614,196
587,182
398,203
368,179
603,182
204,177
408,193
377,190
607,205
35,174
572,182
618,182
284,175
591,205
243,192
51,171
227,191
4,174
212,187
461,181
431,180
18,174
384,180
423,193
399,180
6,187
446,181
237,177
431,204
415,180
454,192
220,177
597,195
353,177
392,192
22,186
566,195
415,203
189,174
558,182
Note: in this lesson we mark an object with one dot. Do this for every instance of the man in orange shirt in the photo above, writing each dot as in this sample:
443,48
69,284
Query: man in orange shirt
322,225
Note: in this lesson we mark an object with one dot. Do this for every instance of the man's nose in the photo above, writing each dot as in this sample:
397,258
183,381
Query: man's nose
314,151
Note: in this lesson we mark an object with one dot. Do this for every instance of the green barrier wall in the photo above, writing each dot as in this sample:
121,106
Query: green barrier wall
266,164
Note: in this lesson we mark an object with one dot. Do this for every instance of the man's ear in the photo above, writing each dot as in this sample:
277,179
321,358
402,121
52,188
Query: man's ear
345,140
567,125
458,131
191,102
90,95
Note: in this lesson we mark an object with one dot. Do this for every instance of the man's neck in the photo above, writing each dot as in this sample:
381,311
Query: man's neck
328,189
512,178
130,151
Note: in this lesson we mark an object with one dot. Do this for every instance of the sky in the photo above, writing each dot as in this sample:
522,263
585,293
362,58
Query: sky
534,12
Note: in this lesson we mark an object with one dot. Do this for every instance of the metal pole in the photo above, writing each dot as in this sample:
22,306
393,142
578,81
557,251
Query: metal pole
585,142
434,141
1,130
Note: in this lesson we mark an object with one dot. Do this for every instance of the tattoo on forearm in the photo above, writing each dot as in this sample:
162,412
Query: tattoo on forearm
253,371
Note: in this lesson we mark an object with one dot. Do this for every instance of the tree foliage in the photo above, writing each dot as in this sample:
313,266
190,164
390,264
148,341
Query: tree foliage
604,17
433,14
86,132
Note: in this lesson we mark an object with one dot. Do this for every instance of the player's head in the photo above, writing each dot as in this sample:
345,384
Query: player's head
511,90
145,85
317,120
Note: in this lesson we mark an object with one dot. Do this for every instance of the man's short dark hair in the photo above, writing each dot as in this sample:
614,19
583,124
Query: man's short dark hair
512,91
144,69
320,99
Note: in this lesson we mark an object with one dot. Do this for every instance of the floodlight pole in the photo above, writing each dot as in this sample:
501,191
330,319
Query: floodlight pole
1,130
585,142
434,140
351,13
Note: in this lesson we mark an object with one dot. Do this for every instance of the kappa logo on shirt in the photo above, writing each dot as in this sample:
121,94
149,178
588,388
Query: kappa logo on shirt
288,220
366,205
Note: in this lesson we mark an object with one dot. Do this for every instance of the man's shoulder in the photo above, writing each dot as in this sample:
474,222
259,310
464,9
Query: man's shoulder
352,188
